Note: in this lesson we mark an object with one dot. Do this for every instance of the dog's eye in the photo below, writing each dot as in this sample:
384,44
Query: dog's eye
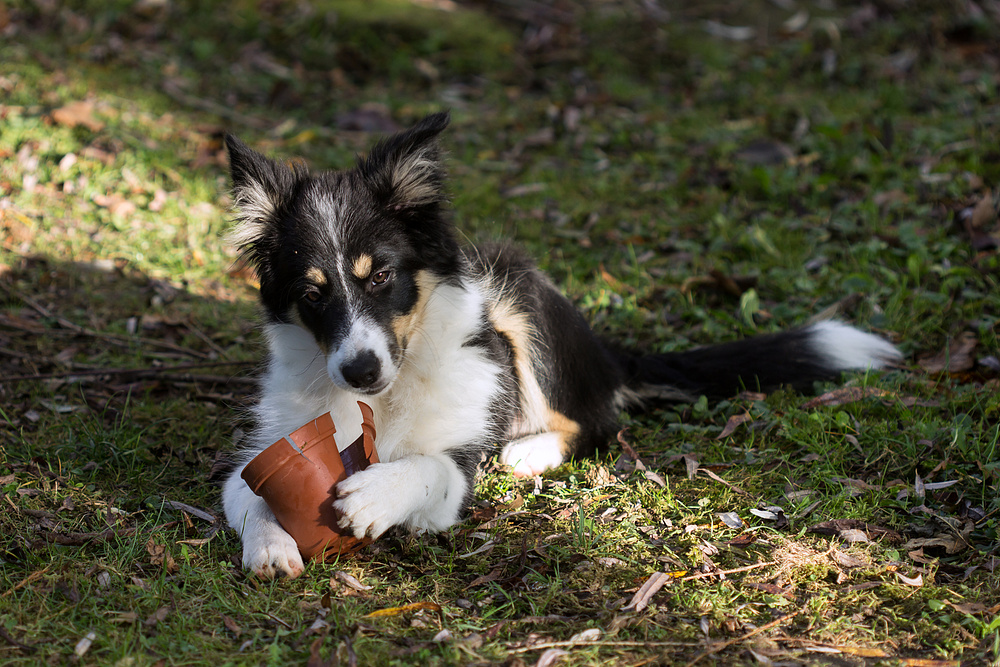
380,278
312,295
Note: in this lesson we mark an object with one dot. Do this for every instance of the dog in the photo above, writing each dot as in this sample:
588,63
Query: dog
461,352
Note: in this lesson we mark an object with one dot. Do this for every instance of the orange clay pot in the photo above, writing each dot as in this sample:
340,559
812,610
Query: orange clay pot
300,487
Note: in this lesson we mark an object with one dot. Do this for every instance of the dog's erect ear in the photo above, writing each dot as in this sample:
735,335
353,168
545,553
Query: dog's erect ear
260,185
405,171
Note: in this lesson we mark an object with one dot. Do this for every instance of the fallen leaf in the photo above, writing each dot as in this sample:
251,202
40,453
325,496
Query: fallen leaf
231,625
838,527
550,656
484,579
916,581
77,113
951,543
351,581
732,424
158,555
405,609
157,616
588,635
847,560
955,358
971,608
843,396
641,598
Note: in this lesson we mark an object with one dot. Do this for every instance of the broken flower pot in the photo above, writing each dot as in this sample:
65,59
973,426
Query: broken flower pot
298,482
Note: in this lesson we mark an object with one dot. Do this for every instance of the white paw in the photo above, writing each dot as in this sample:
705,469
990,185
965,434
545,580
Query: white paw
272,555
533,455
368,500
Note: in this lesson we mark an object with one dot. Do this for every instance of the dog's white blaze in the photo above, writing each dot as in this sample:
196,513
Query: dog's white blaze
363,336
848,348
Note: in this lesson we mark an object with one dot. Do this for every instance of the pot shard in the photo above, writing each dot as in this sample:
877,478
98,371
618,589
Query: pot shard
299,485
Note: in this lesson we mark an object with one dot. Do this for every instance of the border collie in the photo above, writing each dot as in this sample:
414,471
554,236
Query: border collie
461,352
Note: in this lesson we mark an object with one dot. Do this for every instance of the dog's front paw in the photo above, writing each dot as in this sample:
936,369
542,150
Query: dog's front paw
366,503
274,555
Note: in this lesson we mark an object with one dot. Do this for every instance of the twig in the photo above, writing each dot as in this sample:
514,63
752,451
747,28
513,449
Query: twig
13,642
141,372
34,576
702,575
610,644
84,331
715,648
79,539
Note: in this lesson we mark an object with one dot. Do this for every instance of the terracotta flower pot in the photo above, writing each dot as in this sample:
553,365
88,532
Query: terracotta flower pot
300,486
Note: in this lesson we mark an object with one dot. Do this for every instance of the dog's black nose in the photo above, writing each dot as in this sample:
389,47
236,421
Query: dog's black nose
362,371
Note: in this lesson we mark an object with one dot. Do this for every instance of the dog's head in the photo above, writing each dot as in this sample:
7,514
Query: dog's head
351,255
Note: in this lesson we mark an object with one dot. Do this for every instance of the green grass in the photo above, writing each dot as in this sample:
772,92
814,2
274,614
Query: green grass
629,154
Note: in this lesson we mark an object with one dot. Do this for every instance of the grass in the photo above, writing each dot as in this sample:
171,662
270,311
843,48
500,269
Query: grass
683,188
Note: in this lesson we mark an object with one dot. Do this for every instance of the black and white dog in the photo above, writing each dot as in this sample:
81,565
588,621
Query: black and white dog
460,352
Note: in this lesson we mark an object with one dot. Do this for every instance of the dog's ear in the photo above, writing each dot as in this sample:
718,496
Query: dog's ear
260,185
404,171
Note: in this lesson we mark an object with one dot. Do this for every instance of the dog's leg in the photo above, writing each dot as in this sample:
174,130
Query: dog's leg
534,454
268,550
420,492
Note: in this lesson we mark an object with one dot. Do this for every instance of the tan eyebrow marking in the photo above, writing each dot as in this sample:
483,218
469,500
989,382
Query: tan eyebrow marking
316,276
362,266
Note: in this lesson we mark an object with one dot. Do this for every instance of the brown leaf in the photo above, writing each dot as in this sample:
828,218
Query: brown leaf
550,656
843,396
352,581
77,113
159,555
951,543
733,423
484,579
977,220
847,560
641,598
838,526
231,625
157,616
405,609
955,358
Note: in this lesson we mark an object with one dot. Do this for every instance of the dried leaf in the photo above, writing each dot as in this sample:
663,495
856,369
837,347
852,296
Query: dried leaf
77,113
231,625
159,555
971,608
550,656
588,635
843,396
951,543
916,581
405,609
847,560
641,598
690,465
838,527
157,616
351,581
719,479
485,579
955,358
732,424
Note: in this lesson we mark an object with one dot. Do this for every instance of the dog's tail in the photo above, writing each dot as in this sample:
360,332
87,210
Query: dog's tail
798,357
